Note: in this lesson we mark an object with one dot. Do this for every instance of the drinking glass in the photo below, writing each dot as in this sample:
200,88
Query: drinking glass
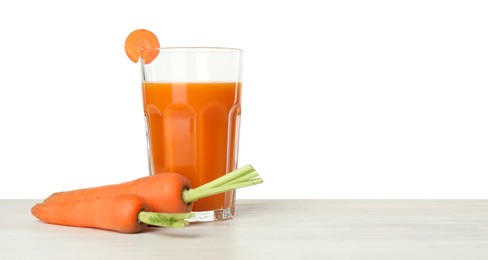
192,108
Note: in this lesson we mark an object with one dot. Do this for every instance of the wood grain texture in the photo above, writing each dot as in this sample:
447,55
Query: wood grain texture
271,229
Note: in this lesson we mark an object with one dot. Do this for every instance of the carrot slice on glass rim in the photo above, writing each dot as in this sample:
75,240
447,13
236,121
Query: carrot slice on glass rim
139,40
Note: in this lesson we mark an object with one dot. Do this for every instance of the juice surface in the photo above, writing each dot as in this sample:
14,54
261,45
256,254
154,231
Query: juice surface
193,130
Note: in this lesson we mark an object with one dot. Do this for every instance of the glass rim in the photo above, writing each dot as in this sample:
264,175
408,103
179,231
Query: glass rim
194,49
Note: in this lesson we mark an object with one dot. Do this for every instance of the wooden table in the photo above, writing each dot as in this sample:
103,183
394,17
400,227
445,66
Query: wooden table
270,229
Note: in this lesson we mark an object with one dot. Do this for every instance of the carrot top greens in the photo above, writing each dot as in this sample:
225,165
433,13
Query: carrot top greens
173,220
242,177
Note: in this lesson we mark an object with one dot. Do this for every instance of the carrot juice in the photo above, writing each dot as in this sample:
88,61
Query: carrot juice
193,130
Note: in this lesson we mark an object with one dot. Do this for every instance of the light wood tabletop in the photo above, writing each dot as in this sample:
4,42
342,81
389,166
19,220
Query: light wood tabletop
270,229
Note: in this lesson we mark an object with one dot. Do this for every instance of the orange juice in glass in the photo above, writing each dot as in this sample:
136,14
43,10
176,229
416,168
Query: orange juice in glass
192,106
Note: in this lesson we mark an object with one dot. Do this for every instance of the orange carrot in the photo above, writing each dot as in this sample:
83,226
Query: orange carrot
164,192
122,213
139,40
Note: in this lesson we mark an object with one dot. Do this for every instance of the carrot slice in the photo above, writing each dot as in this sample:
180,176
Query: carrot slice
139,40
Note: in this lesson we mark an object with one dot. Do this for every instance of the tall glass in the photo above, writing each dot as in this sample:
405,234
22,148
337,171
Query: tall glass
192,106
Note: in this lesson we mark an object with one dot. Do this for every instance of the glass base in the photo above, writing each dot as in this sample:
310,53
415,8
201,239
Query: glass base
212,215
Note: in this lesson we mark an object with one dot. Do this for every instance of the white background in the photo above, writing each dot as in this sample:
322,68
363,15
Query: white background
342,99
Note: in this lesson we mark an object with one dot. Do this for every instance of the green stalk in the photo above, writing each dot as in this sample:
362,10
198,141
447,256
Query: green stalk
228,177
173,220
242,177
248,176
196,194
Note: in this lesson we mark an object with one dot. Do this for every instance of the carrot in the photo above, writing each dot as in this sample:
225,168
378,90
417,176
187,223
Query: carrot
165,198
165,192
122,213
139,40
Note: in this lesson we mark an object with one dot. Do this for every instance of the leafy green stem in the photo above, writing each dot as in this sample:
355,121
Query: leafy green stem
173,220
242,177
228,177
